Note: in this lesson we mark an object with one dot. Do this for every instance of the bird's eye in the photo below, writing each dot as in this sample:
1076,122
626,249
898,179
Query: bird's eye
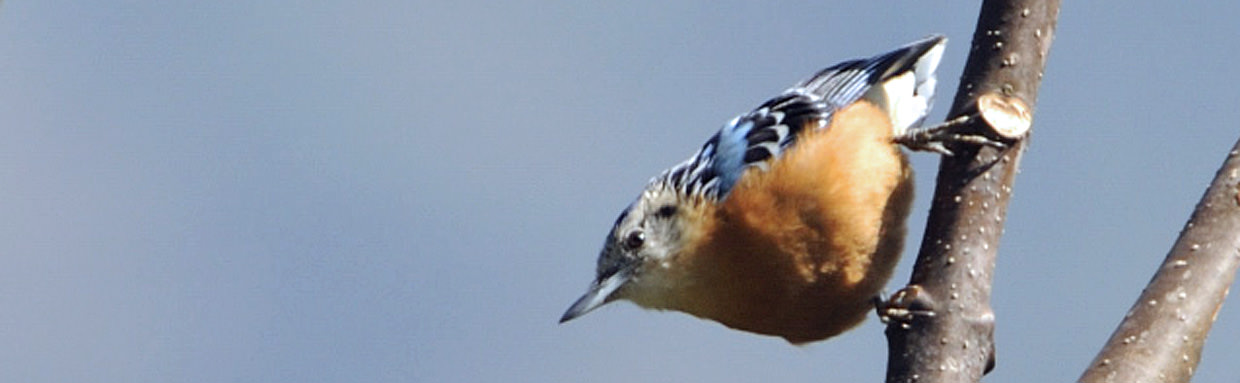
634,240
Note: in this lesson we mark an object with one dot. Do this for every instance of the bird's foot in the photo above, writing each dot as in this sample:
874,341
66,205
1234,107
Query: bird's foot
949,133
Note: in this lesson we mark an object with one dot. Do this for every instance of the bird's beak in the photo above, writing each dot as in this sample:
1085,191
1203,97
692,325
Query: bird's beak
599,294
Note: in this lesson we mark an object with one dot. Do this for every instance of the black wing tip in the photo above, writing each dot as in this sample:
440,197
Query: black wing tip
906,57
928,41
851,76
919,48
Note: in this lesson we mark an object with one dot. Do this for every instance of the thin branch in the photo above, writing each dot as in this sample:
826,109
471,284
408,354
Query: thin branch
941,325
1160,338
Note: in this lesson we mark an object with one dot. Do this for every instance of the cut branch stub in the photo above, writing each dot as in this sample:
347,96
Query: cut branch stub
1007,116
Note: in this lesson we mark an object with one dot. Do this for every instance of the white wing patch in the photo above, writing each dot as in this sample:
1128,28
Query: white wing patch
901,82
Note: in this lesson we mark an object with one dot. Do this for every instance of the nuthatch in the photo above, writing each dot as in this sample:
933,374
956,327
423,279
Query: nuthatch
790,219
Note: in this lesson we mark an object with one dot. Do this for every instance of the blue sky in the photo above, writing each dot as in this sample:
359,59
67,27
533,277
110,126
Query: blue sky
410,191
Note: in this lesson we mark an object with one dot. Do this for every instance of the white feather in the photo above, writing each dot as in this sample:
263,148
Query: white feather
907,97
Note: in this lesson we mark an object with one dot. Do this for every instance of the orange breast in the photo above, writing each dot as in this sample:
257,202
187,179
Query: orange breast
799,250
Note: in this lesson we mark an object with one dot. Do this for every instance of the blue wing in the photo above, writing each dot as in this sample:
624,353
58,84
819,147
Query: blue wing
751,139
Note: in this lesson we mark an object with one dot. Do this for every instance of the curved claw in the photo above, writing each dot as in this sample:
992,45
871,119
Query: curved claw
906,304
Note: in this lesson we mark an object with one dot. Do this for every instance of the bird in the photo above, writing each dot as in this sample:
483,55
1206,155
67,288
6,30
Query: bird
790,219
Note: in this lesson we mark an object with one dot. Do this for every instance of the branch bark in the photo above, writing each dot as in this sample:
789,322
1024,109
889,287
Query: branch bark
1160,338
941,326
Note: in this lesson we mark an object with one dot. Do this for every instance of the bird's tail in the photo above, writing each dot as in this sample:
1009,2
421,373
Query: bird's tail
900,81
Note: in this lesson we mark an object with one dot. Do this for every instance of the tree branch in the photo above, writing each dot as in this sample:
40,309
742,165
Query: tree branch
1160,338
941,325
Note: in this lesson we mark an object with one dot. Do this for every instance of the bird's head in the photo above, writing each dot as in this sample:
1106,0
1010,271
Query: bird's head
639,250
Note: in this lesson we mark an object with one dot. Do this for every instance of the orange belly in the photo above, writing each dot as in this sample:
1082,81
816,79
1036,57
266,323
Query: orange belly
799,250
